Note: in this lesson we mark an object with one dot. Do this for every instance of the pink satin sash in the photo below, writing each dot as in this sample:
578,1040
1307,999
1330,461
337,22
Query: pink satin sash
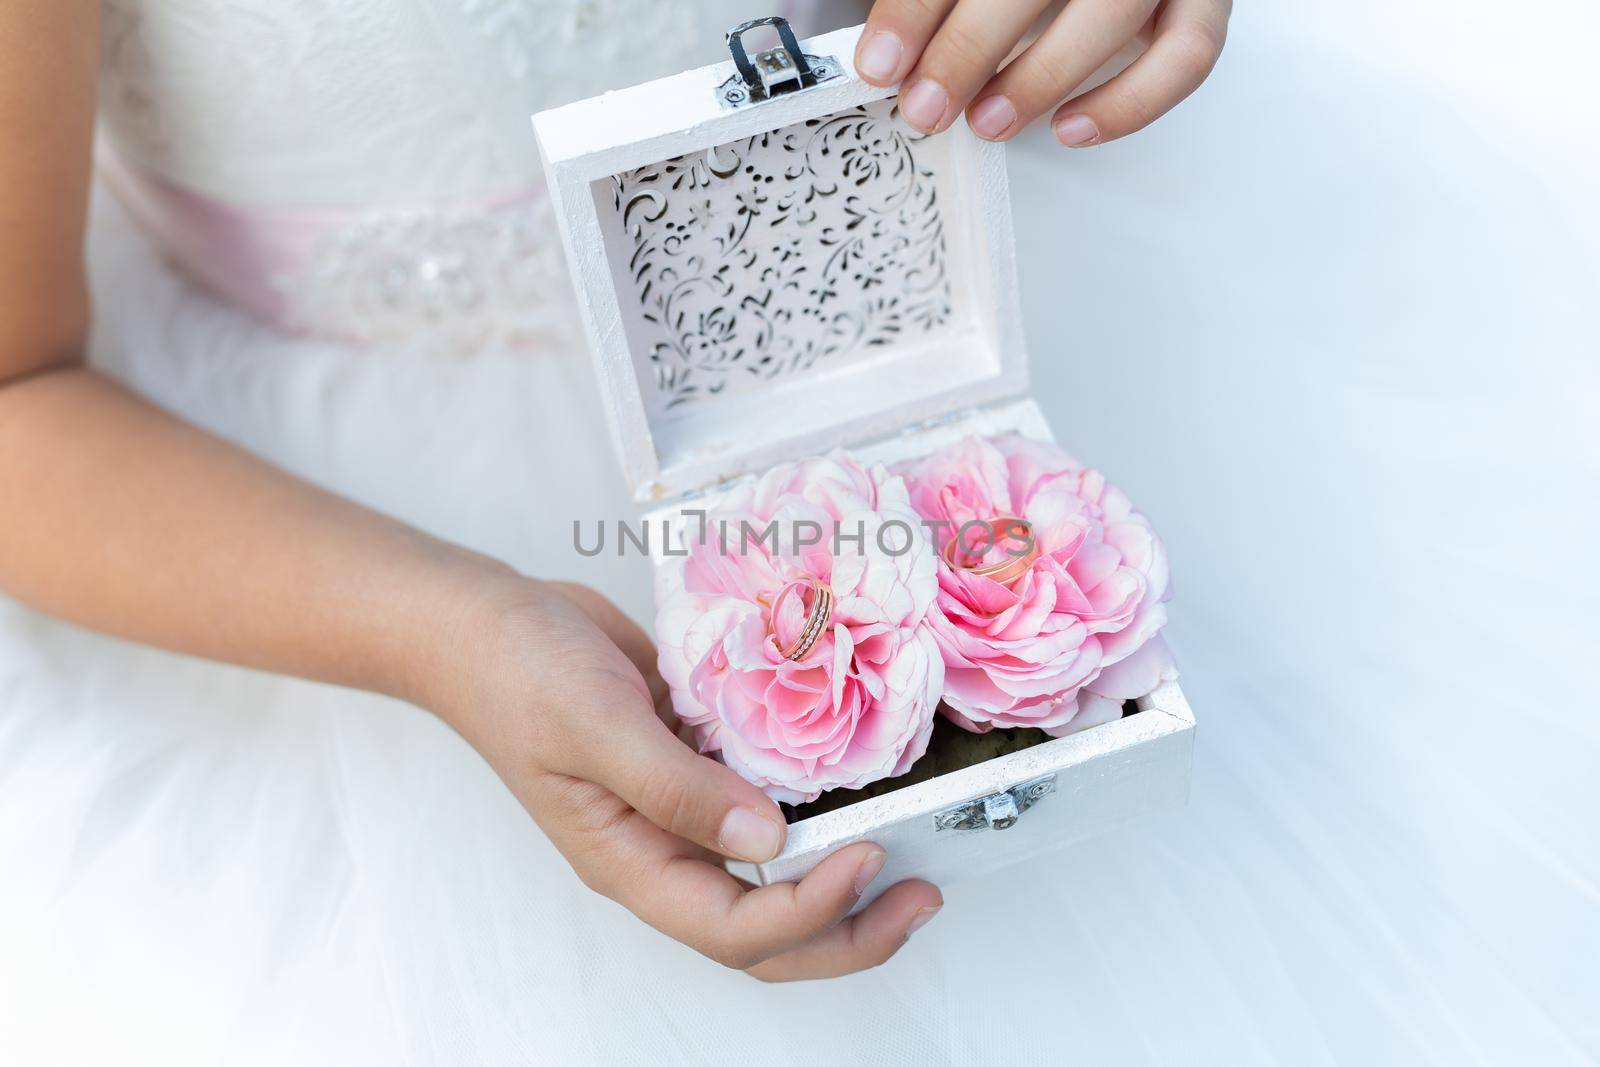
253,256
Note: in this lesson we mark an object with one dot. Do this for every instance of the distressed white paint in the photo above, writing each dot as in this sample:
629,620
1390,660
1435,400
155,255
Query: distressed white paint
968,377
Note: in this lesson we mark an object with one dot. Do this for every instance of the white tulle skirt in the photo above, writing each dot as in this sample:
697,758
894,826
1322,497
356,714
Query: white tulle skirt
1390,851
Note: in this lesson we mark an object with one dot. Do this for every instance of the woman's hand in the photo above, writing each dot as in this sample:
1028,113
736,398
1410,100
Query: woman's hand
561,696
949,55
217,554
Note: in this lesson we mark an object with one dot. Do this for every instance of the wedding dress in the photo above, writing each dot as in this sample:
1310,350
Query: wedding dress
321,233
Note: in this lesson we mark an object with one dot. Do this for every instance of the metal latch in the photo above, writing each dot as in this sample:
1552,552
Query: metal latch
775,72
997,812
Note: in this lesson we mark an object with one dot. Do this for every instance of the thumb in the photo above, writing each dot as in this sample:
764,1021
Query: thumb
625,747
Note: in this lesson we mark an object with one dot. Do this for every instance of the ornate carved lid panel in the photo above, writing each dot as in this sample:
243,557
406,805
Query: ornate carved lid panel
791,253
796,273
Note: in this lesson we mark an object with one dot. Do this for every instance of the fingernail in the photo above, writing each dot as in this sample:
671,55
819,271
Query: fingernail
993,118
868,871
1077,131
921,919
879,56
924,106
749,835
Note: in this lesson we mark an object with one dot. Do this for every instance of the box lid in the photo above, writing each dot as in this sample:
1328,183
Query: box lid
763,279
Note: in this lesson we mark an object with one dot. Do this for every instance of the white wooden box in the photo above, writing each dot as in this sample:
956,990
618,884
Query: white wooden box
765,279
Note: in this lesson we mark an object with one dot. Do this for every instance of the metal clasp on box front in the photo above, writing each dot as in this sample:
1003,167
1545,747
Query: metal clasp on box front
775,72
999,811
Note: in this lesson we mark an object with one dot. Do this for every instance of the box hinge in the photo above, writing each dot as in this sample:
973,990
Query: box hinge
999,811
775,72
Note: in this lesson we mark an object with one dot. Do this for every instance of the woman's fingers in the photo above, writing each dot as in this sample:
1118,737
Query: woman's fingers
1083,38
946,52
670,885
613,737
1188,39
603,727
896,33
860,942
762,923
969,47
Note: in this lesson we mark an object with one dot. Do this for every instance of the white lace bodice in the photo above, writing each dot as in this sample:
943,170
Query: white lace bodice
367,102
365,169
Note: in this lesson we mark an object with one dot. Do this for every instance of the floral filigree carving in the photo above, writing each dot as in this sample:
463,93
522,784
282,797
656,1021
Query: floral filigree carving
761,259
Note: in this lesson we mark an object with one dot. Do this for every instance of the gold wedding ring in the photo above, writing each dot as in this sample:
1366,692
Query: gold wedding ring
817,618
1001,528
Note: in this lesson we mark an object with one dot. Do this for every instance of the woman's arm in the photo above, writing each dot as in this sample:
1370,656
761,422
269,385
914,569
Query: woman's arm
124,519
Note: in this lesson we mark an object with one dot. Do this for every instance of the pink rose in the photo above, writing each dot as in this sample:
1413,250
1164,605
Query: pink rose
1078,632
859,706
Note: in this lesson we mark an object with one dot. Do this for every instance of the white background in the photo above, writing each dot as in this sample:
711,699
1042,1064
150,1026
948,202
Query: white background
1336,325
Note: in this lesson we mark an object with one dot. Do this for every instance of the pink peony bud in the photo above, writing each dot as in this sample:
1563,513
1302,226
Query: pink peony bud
859,705
1061,646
